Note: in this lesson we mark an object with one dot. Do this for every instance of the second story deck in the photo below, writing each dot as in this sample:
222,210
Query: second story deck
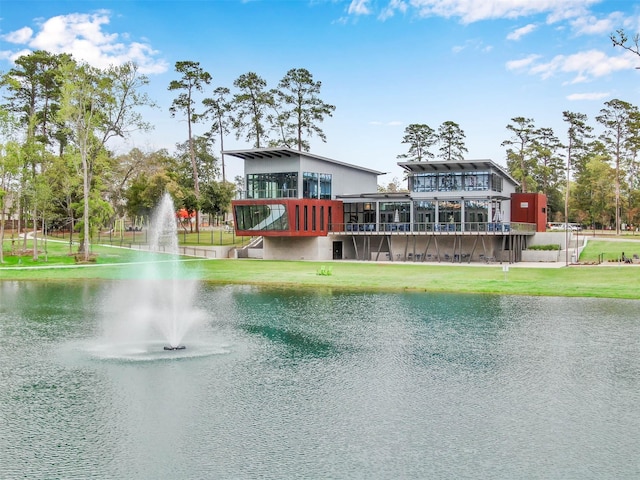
449,228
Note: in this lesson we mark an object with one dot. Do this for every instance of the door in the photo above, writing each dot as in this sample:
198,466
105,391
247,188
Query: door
337,250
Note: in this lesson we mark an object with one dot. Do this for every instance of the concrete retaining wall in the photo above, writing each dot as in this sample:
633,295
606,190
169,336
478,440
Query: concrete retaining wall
541,255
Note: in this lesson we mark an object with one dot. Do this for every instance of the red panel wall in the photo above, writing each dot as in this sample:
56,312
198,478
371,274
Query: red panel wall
328,214
530,208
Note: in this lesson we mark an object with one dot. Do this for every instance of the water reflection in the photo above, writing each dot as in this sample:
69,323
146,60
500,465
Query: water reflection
322,385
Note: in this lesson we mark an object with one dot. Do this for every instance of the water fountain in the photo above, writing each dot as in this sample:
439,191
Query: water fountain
156,308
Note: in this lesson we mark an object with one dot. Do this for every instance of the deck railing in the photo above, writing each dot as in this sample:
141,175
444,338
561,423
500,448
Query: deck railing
448,227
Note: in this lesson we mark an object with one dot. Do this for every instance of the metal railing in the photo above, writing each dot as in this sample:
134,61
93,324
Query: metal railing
267,194
442,227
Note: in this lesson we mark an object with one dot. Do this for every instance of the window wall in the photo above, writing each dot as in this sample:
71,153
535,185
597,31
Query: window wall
316,185
272,185
423,182
360,216
476,215
450,215
325,186
455,182
424,215
262,217
395,216
285,185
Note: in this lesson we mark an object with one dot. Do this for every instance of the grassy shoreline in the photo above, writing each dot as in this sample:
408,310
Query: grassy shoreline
621,282
610,280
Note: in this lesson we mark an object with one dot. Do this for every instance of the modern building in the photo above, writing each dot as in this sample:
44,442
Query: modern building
309,207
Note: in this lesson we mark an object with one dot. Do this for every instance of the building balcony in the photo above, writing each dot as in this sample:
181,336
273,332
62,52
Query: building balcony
488,228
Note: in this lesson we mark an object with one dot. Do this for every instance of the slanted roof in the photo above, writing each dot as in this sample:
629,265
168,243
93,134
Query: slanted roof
456,166
280,152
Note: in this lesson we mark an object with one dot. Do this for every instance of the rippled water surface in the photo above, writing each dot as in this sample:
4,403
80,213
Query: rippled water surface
281,384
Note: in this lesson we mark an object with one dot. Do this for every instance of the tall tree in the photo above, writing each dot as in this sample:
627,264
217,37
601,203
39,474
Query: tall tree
66,184
193,79
146,190
33,86
592,194
301,109
84,96
577,133
633,170
519,161
219,109
10,160
420,138
578,148
206,160
616,118
98,105
34,91
548,170
250,106
451,139
218,198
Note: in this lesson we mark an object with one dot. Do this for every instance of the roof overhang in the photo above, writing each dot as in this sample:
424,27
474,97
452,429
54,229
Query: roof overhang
456,166
263,153
279,152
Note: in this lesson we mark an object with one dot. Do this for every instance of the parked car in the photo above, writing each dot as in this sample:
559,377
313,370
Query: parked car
561,226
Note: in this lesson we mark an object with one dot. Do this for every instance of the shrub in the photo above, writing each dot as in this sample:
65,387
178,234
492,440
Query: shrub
325,271
550,247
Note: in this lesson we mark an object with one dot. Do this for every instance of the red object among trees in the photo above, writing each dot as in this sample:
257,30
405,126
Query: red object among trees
530,208
183,214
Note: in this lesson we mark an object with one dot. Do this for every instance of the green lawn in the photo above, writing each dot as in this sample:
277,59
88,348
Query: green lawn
610,250
610,280
204,237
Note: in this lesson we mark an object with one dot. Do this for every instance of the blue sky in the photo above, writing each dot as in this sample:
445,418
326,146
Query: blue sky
384,64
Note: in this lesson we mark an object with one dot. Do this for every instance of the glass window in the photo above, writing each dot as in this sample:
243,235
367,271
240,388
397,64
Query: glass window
470,181
496,183
476,214
456,181
310,185
476,181
272,185
425,214
449,215
262,217
423,182
445,182
395,216
313,218
325,186
360,216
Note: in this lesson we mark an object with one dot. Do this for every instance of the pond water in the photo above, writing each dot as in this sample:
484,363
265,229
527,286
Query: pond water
276,384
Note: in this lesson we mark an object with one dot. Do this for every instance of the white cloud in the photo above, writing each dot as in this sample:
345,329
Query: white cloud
20,36
590,25
470,11
83,36
522,63
518,33
390,10
13,56
585,66
359,7
474,44
588,96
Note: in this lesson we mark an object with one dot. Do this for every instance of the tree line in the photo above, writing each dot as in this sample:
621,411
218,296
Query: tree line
59,118
587,178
